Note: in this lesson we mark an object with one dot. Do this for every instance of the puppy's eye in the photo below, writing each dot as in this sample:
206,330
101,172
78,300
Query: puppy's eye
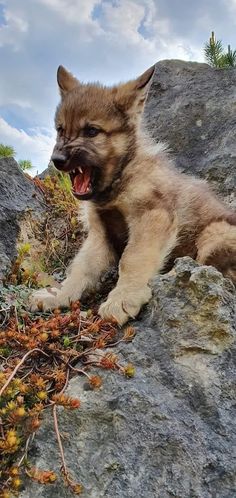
91,131
59,129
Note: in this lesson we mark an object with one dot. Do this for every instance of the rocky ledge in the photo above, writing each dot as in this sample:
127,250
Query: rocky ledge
170,430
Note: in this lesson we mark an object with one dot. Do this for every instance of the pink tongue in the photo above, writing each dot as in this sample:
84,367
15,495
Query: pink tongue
81,182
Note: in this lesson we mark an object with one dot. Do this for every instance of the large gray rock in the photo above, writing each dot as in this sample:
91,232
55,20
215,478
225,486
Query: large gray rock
170,431
191,106
20,203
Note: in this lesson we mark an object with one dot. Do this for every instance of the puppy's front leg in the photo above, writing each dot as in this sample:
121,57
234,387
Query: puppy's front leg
151,239
94,257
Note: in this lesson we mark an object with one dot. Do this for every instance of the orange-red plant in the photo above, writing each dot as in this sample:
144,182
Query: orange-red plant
41,355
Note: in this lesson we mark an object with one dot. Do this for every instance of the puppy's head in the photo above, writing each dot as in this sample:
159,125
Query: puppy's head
96,131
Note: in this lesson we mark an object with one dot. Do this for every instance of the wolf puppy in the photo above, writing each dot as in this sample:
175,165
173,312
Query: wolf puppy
140,210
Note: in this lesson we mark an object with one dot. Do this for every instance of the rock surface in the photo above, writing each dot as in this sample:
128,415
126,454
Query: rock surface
192,106
21,203
169,431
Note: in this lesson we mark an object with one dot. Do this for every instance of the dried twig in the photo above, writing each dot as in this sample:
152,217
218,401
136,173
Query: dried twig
54,411
24,456
79,370
77,488
17,368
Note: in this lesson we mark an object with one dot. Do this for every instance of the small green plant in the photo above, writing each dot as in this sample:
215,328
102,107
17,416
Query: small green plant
216,56
62,226
22,273
25,164
7,151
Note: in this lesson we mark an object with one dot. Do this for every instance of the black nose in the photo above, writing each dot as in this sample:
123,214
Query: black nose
59,160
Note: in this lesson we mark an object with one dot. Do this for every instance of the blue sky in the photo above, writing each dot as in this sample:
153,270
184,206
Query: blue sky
105,40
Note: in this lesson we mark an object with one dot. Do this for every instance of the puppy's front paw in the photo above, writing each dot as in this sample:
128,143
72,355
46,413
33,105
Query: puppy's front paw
122,304
112,308
48,299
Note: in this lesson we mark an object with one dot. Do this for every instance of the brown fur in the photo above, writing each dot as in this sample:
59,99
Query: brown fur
116,229
143,212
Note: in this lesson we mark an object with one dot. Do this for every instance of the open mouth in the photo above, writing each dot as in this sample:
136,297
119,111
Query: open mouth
82,179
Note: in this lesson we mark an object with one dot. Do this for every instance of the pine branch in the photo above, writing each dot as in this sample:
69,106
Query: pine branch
215,55
213,51
231,57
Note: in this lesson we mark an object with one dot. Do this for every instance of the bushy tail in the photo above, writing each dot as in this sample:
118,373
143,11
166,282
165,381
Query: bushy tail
217,246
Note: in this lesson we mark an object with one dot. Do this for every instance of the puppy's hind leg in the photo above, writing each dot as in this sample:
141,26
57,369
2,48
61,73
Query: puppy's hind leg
217,247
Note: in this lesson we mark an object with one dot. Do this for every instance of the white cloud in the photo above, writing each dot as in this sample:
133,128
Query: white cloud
124,19
230,5
75,11
13,30
106,40
136,28
36,146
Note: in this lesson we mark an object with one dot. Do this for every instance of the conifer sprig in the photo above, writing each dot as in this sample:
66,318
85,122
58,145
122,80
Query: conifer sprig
215,54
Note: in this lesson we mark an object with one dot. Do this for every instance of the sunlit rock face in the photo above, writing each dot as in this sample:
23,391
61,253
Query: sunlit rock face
170,430
191,106
21,206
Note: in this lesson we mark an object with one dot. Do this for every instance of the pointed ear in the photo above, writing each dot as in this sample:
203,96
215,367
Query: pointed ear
66,81
132,95
145,78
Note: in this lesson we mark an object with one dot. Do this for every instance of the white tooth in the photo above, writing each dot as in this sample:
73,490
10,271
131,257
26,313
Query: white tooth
80,169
